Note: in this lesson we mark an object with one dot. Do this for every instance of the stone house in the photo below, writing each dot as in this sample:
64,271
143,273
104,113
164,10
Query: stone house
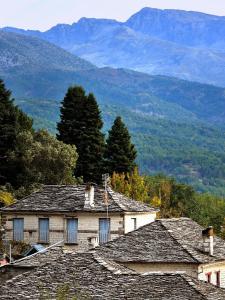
90,276
80,215
171,245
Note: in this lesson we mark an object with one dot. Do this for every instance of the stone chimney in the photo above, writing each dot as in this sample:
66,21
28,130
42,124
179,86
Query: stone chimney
207,236
93,241
89,195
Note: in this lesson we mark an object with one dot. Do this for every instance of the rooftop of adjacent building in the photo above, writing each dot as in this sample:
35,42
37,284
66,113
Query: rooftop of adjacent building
164,241
89,276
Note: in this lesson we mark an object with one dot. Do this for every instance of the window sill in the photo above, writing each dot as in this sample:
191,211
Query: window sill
43,243
72,244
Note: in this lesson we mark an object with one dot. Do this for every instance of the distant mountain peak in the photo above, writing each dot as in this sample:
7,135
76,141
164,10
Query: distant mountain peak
169,42
149,11
91,20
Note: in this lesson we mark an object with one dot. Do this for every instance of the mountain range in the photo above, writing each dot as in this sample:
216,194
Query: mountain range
187,45
177,125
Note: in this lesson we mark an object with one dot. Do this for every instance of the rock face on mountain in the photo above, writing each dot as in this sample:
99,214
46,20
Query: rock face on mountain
187,45
19,51
186,28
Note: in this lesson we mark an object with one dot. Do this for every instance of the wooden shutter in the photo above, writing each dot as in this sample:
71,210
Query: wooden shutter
104,230
44,230
18,229
72,228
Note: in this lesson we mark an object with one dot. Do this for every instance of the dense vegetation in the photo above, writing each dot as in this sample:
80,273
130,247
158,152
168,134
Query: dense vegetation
172,198
29,157
193,154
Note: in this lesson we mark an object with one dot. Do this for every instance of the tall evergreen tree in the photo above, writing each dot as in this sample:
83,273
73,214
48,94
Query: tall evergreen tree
12,121
8,125
120,152
81,125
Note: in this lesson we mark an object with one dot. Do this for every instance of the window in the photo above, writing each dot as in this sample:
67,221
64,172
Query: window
208,277
104,230
18,229
72,228
44,230
134,222
218,278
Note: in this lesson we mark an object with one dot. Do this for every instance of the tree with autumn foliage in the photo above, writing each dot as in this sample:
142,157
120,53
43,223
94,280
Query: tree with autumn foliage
6,198
131,184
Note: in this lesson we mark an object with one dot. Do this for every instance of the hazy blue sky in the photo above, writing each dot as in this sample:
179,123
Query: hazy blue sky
42,14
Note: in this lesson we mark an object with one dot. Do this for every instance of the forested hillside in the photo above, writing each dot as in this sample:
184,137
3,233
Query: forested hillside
192,153
170,119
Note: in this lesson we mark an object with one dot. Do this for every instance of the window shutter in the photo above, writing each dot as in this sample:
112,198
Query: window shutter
104,230
18,229
72,229
44,230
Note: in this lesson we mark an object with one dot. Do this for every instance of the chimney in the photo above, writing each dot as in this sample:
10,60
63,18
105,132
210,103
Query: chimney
93,241
89,195
207,236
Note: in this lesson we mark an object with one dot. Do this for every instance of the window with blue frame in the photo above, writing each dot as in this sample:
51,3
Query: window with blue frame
44,230
18,229
72,230
104,230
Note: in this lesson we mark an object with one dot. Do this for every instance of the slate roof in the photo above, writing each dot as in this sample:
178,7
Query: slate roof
39,258
165,240
71,198
87,276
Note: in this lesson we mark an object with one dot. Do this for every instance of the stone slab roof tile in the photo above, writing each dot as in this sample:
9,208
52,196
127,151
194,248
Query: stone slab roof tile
165,240
188,233
84,276
71,198
39,258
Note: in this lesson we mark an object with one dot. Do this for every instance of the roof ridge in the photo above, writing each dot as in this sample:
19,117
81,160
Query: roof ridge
125,207
115,198
193,285
178,241
111,265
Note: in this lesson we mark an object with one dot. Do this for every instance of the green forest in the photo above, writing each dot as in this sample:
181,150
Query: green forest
82,152
191,153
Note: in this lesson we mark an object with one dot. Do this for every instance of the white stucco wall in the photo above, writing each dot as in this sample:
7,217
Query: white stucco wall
212,268
141,220
190,269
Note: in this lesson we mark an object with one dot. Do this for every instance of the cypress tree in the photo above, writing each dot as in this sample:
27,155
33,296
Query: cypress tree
95,142
120,153
81,125
8,126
